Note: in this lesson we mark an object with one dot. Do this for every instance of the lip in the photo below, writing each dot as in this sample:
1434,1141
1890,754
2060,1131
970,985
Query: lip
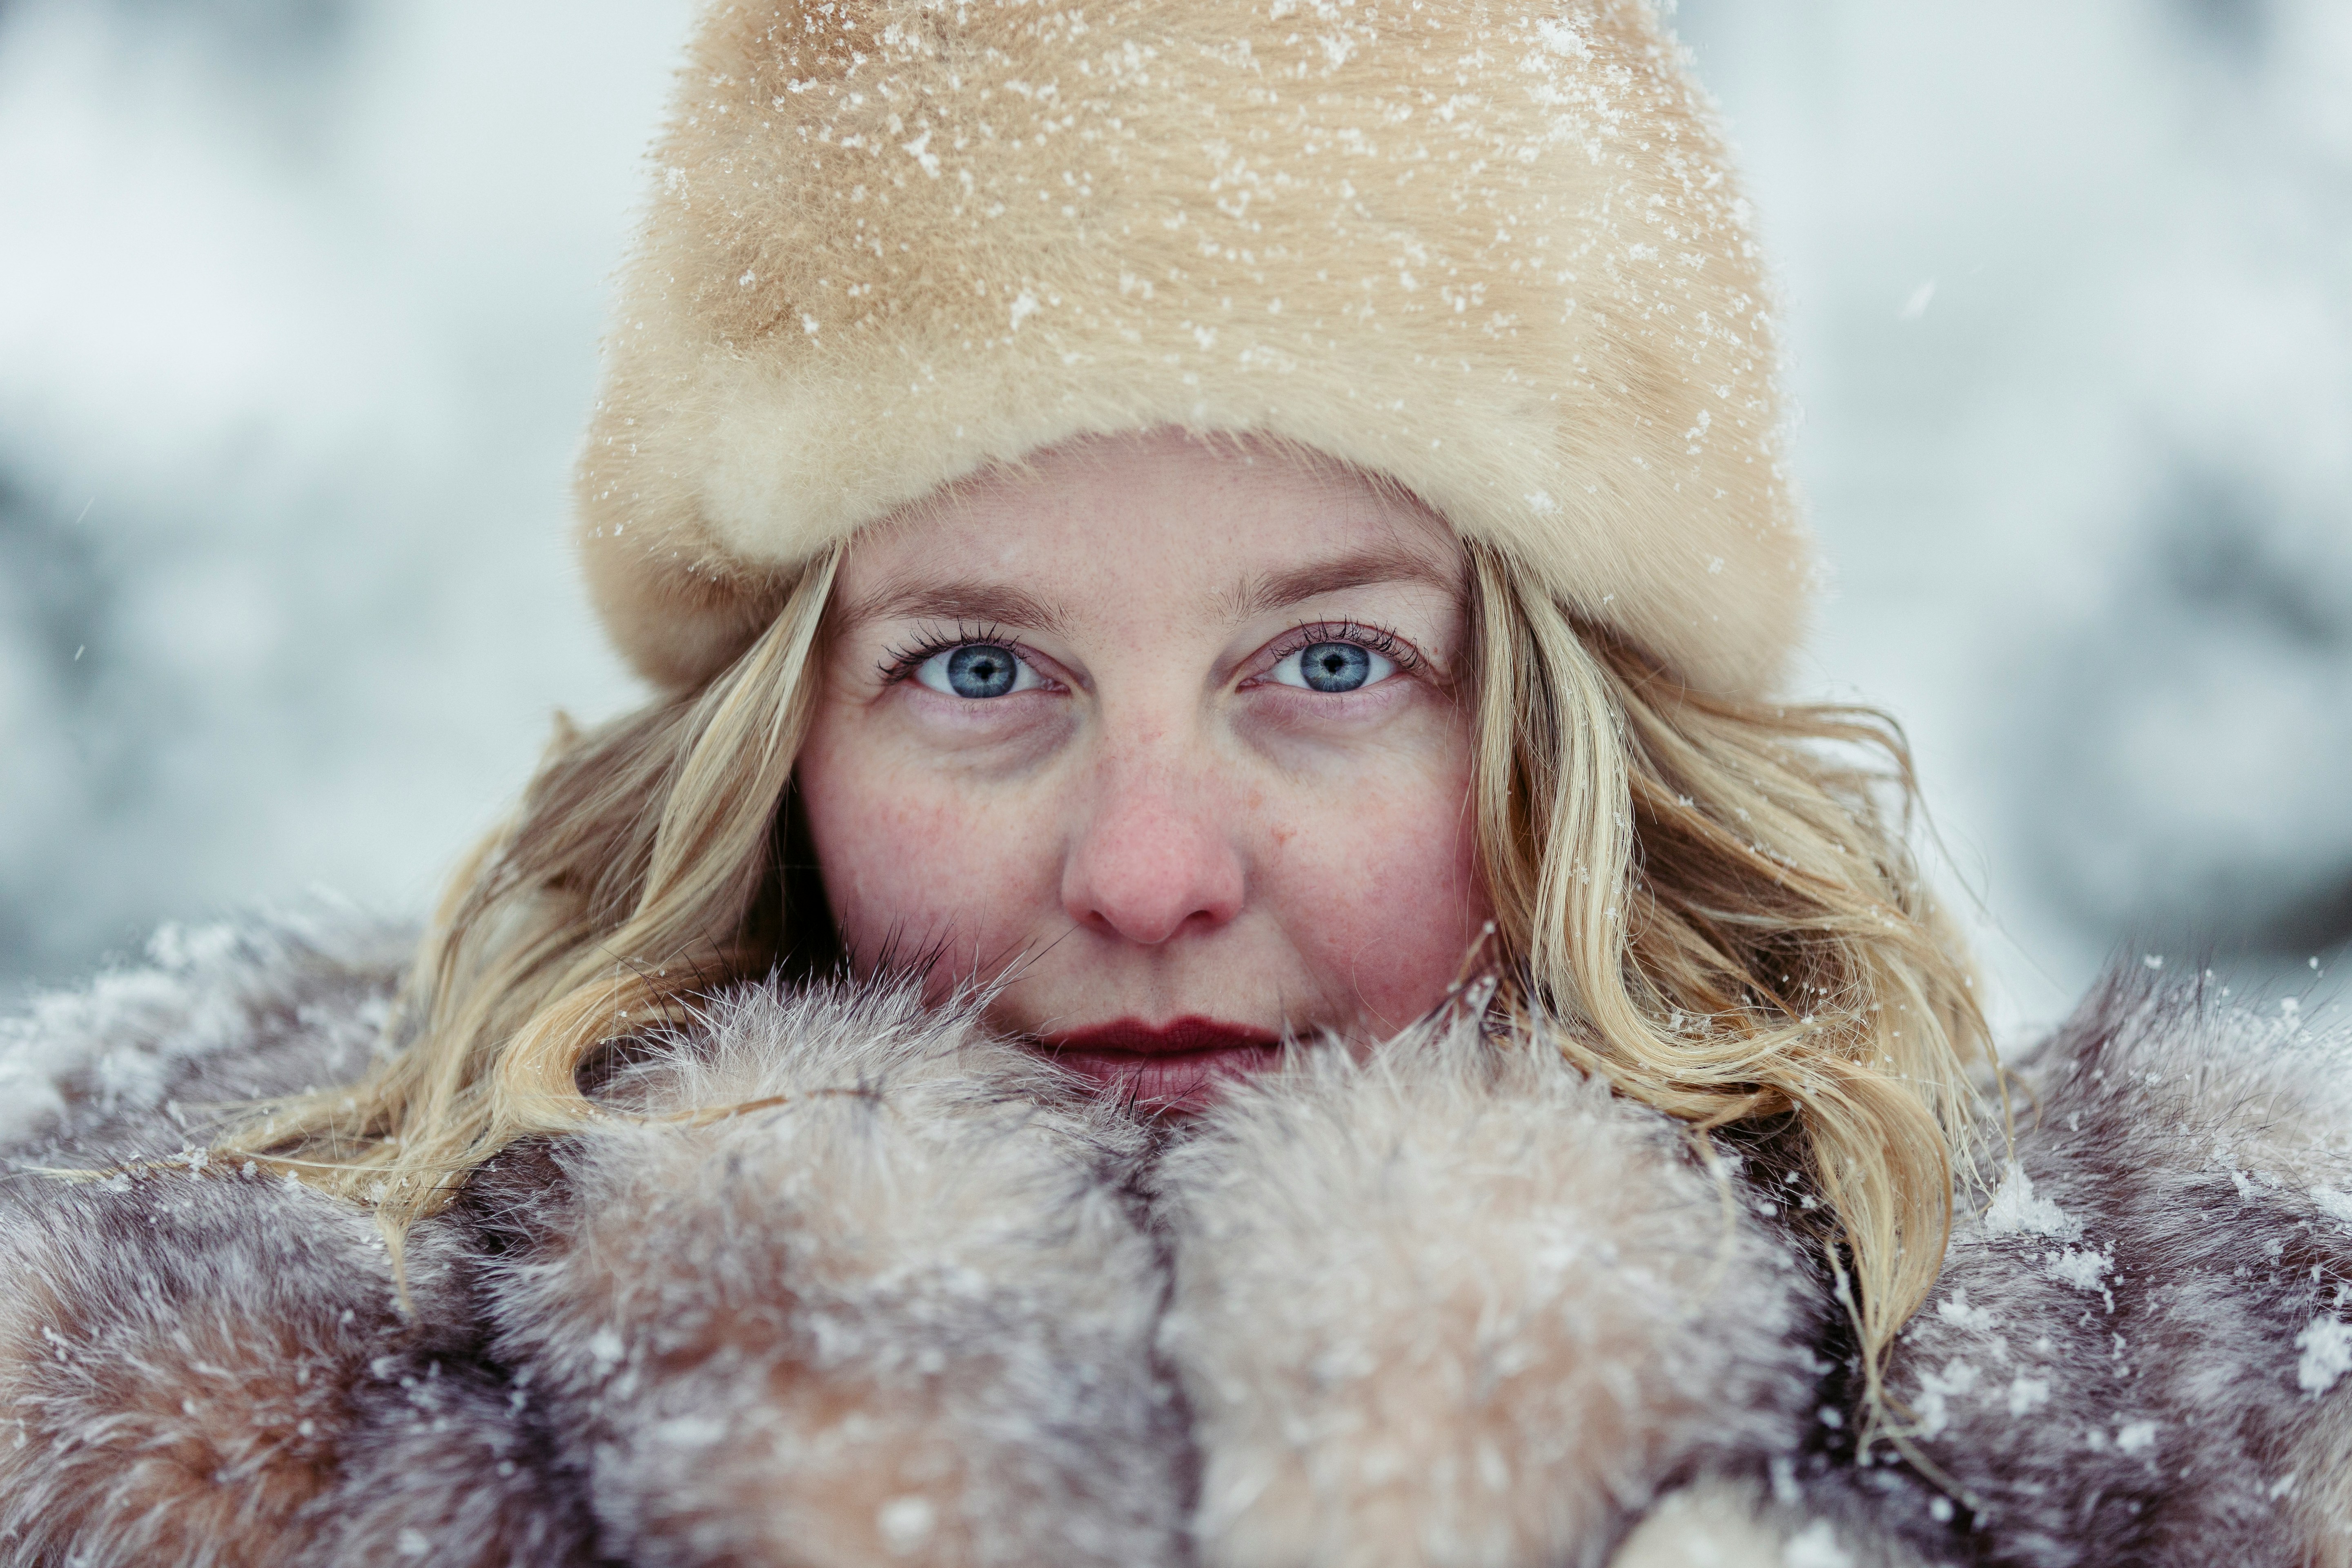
1172,1067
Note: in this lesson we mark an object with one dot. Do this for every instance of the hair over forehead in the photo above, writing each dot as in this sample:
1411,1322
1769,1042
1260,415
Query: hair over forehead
1488,251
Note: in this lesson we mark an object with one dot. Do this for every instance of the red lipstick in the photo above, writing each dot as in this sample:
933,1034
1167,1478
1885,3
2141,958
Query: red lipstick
1171,1067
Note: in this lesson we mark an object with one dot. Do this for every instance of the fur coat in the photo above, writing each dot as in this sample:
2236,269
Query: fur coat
841,1283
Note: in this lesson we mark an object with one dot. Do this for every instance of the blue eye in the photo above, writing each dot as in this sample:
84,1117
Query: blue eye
1334,667
977,670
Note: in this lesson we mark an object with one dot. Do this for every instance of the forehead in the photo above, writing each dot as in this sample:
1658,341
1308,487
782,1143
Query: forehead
1190,524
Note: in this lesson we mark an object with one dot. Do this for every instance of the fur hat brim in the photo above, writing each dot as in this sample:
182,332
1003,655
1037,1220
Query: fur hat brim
1490,251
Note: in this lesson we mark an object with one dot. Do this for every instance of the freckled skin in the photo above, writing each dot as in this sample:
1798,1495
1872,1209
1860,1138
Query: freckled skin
1166,825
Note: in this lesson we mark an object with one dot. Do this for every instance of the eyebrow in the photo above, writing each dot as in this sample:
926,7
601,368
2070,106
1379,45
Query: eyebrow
1002,604
1280,590
987,603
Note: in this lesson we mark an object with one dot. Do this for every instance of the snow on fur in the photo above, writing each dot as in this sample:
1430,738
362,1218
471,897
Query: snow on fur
838,1281
1462,1306
902,1310
1491,251
1718,1523
212,1370
2118,1363
229,998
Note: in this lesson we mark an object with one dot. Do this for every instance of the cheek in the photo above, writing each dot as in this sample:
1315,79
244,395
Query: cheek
913,862
1381,895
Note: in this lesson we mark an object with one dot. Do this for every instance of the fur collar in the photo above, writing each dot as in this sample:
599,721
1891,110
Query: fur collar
923,1304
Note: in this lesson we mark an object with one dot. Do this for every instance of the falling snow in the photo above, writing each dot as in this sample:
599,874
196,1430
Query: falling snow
284,595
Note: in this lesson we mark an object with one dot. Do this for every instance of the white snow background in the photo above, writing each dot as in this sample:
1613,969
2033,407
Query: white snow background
298,302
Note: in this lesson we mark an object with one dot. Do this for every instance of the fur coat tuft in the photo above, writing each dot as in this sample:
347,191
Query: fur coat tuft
841,1281
1462,1306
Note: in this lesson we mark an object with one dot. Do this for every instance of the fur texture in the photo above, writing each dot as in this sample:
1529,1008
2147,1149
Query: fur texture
1490,250
1720,1523
2136,1353
1463,1308
215,1013
838,1281
214,1371
903,1310
201,1366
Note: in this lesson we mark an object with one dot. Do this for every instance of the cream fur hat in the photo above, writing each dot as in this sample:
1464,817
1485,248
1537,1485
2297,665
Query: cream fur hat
1488,248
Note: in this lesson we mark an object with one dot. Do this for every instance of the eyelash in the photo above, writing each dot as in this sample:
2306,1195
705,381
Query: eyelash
1387,644
899,663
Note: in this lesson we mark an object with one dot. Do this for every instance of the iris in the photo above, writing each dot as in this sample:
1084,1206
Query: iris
1334,665
982,669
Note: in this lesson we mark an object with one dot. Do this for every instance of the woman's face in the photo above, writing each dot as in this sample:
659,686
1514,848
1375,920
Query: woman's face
1168,738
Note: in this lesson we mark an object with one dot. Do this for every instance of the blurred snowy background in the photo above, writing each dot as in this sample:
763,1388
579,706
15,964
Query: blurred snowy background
298,310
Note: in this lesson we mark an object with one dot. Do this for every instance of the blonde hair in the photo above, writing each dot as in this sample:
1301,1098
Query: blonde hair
1712,902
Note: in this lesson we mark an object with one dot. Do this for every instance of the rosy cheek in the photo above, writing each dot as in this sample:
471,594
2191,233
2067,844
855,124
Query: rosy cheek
1403,967
914,866
1381,901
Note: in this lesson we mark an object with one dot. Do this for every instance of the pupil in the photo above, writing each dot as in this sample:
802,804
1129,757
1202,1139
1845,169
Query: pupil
979,669
1334,665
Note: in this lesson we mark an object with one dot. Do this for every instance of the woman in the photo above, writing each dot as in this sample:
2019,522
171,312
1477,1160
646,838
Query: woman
1214,950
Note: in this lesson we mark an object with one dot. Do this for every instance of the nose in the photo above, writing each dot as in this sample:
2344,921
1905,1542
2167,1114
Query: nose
1153,854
